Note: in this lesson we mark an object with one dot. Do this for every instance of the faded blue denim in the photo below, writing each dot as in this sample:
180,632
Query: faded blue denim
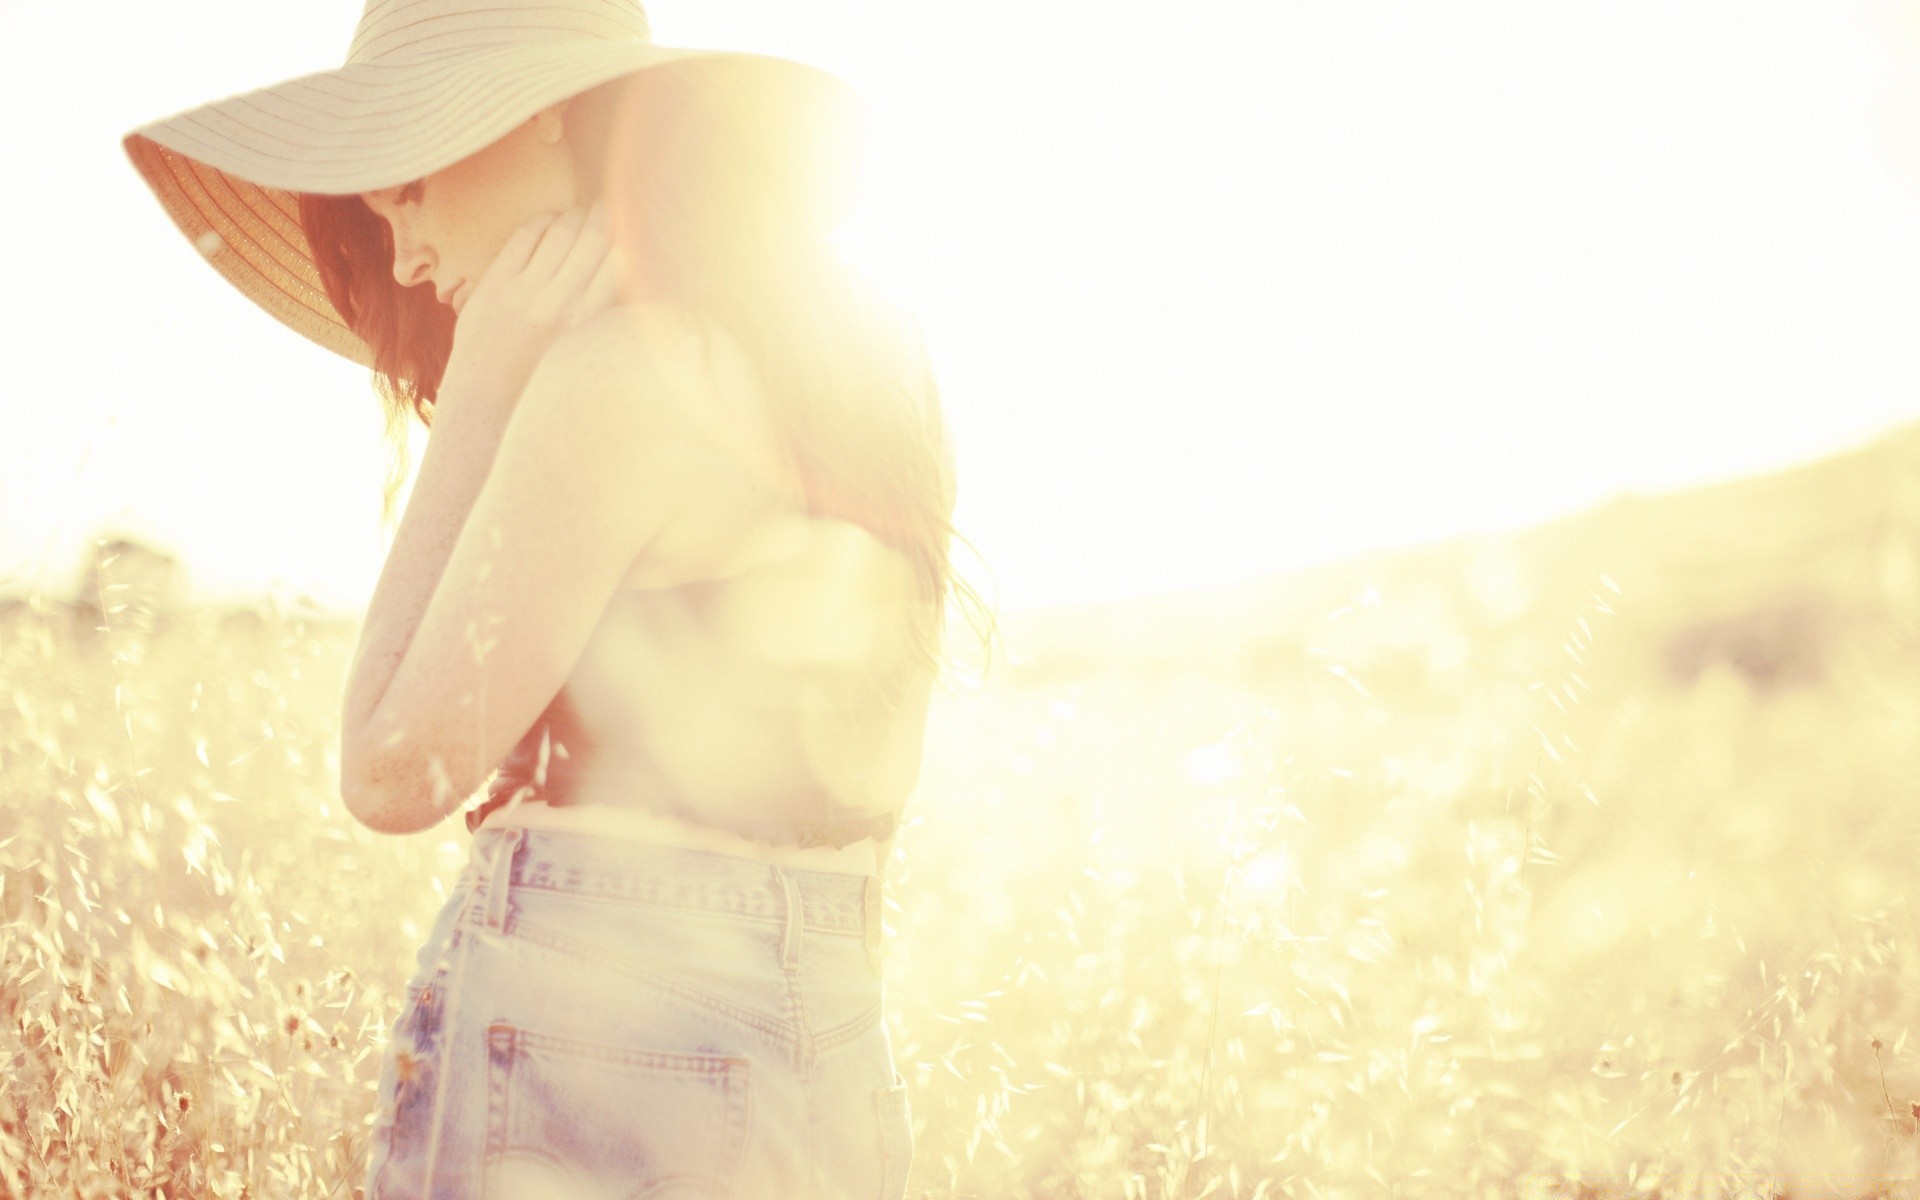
597,1018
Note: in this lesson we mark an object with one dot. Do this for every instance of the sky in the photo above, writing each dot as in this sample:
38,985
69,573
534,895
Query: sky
1212,291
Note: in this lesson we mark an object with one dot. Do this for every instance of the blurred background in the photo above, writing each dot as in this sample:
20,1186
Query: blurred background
1450,477
1211,297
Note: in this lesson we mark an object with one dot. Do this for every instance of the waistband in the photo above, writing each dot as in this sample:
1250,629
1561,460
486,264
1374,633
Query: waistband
514,858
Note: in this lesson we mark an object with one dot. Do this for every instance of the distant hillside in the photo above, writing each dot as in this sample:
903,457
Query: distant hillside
1765,573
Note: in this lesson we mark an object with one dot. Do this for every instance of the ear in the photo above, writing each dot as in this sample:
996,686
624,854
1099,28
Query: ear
549,124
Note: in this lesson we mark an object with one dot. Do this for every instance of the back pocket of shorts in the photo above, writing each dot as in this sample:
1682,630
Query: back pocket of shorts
570,1117
896,1138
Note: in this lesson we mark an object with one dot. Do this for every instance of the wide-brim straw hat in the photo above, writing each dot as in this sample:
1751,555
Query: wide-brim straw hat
425,84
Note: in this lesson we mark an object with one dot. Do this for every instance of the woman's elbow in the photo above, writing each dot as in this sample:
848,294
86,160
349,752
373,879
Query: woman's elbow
386,813
366,806
373,799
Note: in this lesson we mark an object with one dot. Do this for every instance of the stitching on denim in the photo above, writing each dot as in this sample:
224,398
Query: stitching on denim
830,901
631,902
702,1000
506,1040
803,1056
802,1045
612,1052
830,914
742,1125
499,1097
500,871
846,1031
453,963
816,915
724,896
792,921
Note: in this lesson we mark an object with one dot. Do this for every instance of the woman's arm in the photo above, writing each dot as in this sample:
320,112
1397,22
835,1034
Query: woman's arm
460,452
613,450
553,273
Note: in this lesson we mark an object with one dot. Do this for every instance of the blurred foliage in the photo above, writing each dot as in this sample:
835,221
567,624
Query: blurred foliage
1575,862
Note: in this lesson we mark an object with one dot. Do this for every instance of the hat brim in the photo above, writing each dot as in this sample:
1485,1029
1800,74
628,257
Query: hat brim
229,173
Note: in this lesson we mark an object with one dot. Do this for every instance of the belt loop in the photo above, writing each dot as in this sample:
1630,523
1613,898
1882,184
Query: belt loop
872,921
790,933
500,876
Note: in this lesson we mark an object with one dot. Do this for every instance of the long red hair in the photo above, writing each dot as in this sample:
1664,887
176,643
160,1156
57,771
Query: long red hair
724,180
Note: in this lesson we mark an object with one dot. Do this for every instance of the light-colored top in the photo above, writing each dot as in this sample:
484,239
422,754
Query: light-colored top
856,858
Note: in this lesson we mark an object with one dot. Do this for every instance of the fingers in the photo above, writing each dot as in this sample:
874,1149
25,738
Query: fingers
575,271
602,291
519,246
554,270
556,244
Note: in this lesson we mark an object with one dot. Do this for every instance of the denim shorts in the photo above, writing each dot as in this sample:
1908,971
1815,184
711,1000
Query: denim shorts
595,1017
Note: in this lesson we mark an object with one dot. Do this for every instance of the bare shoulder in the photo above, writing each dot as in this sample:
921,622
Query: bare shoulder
666,335
669,376
663,350
675,401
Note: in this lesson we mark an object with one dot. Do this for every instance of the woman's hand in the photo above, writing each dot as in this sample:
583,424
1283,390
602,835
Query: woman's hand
552,274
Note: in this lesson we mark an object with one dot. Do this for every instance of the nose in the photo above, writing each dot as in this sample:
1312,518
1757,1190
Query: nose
412,261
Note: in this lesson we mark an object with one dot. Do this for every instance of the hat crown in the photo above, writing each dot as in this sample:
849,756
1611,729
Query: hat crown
421,30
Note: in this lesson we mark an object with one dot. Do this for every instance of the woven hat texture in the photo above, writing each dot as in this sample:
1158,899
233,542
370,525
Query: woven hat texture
425,84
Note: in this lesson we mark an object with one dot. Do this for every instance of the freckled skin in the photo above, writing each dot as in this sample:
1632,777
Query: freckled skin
449,226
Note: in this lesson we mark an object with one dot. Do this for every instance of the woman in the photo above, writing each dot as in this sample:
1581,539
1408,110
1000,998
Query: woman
669,584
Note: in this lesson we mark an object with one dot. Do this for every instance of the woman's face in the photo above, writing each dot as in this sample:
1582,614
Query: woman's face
448,226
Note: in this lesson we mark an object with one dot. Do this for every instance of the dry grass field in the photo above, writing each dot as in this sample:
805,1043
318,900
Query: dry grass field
1576,862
